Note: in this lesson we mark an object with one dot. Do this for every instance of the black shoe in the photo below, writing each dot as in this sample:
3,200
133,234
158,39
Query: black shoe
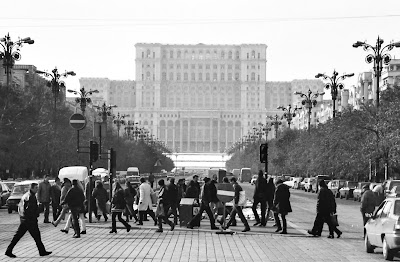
76,236
65,231
246,229
113,231
189,226
98,218
106,218
339,234
331,236
46,253
160,230
278,229
284,232
155,223
256,224
313,233
10,254
54,224
172,226
263,225
46,222
83,232
214,228
128,228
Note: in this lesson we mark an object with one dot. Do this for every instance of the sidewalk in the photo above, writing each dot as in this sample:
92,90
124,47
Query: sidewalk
144,244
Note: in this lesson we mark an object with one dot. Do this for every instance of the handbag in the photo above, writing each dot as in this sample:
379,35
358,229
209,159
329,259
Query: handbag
334,220
160,210
154,198
242,198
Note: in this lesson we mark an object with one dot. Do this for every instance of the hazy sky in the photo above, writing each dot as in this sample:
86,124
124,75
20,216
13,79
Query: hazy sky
96,38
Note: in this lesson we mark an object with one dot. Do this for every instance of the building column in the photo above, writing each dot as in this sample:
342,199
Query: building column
181,135
218,136
189,131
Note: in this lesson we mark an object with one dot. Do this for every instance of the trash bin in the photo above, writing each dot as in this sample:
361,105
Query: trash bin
188,208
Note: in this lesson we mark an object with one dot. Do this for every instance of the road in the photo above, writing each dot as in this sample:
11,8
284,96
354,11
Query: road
260,244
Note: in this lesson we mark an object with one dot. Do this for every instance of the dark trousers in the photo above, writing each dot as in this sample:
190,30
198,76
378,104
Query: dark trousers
114,215
33,229
46,207
173,211
263,203
56,208
165,217
319,224
93,207
204,207
237,210
75,220
282,226
129,207
142,214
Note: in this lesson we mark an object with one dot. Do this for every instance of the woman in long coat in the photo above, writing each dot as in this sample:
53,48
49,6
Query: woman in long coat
118,205
145,203
281,205
101,196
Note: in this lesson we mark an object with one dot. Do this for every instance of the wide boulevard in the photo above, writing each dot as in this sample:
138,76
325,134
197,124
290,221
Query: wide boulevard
144,244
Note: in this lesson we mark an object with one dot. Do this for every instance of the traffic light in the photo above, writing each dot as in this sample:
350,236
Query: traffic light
94,151
264,153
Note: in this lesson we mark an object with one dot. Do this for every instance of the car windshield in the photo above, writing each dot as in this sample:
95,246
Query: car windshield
352,184
394,183
20,189
396,210
341,183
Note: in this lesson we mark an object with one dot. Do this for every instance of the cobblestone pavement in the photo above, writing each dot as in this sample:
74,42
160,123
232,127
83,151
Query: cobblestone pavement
144,244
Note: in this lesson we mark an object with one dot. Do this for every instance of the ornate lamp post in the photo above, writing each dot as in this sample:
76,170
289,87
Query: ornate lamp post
55,83
288,113
118,121
11,53
379,57
104,111
129,128
84,98
275,123
309,100
334,84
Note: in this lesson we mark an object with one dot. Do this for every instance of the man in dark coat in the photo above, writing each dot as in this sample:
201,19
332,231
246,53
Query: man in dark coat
55,194
173,198
75,199
270,197
205,205
29,212
368,202
281,205
326,206
43,197
260,197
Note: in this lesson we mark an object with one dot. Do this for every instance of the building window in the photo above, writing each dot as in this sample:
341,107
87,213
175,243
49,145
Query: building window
229,76
222,54
222,66
147,75
229,66
200,66
154,54
193,66
258,76
142,54
207,66
215,54
222,77
185,66
164,66
230,55
253,54
237,55
215,66
237,76
247,55
171,76
171,66
259,55
142,77
171,54
207,76
164,55
178,66
247,78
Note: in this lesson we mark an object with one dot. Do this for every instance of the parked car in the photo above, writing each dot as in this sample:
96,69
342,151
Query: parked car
347,190
357,193
4,193
388,185
335,186
20,188
10,184
315,185
293,182
308,184
254,179
383,229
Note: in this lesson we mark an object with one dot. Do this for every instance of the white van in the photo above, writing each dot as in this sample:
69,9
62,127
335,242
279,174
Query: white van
79,173
132,171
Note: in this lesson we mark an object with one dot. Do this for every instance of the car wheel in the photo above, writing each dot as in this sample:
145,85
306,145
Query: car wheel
388,254
9,210
368,247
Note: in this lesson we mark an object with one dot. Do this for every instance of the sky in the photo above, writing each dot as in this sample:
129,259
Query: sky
97,38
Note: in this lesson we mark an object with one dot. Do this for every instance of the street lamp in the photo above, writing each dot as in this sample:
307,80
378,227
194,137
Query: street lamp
55,82
288,113
378,56
84,98
118,121
129,128
11,53
275,123
309,101
104,111
334,85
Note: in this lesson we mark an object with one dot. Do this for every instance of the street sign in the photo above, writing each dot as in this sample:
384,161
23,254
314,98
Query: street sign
77,121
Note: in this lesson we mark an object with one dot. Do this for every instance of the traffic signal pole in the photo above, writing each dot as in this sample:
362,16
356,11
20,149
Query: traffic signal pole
264,156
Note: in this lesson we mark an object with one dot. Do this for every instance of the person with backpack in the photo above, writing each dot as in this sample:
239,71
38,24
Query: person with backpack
29,212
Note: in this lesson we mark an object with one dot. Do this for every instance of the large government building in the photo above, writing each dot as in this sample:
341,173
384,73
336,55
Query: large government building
196,98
